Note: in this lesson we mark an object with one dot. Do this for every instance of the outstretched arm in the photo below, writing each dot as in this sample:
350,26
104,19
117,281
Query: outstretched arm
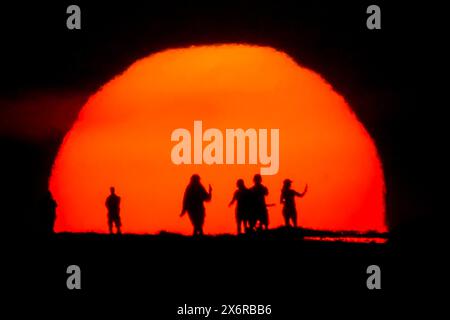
306,189
298,194
209,194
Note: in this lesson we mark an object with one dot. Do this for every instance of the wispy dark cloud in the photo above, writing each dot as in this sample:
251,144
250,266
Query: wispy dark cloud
38,116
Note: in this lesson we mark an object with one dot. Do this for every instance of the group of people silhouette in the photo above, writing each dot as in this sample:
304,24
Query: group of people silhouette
251,208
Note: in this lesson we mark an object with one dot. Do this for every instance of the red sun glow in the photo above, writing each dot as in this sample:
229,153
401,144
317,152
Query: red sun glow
122,138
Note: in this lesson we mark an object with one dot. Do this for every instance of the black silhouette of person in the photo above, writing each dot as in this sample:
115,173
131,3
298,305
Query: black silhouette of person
47,213
242,198
113,205
287,198
193,203
258,207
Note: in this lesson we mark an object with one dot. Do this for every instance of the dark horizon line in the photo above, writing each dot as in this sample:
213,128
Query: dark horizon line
303,231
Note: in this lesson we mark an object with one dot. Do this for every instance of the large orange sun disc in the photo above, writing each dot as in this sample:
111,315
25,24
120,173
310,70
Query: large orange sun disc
123,138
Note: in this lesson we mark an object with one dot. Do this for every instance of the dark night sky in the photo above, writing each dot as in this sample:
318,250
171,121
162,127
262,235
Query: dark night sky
385,75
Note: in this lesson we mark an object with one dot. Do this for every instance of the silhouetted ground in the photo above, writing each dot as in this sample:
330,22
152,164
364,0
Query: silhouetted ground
157,273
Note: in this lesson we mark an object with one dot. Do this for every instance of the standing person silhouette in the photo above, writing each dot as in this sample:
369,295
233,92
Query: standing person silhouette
242,197
259,206
287,198
113,205
194,197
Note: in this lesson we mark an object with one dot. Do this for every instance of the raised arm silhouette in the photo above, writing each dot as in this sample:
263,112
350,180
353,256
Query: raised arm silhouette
287,198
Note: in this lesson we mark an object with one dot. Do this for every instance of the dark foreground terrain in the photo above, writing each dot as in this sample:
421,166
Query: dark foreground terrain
154,275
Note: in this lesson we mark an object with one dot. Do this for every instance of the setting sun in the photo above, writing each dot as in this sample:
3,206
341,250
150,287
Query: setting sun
301,129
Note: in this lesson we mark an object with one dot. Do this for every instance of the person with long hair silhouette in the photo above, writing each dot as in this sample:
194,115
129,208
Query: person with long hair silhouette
287,198
242,198
258,211
113,205
193,203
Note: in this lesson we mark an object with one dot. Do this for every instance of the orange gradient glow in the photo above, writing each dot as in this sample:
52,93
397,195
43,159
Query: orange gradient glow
122,138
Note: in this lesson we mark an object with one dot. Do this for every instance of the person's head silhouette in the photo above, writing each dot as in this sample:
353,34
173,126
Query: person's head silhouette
112,190
195,179
257,179
287,183
240,184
